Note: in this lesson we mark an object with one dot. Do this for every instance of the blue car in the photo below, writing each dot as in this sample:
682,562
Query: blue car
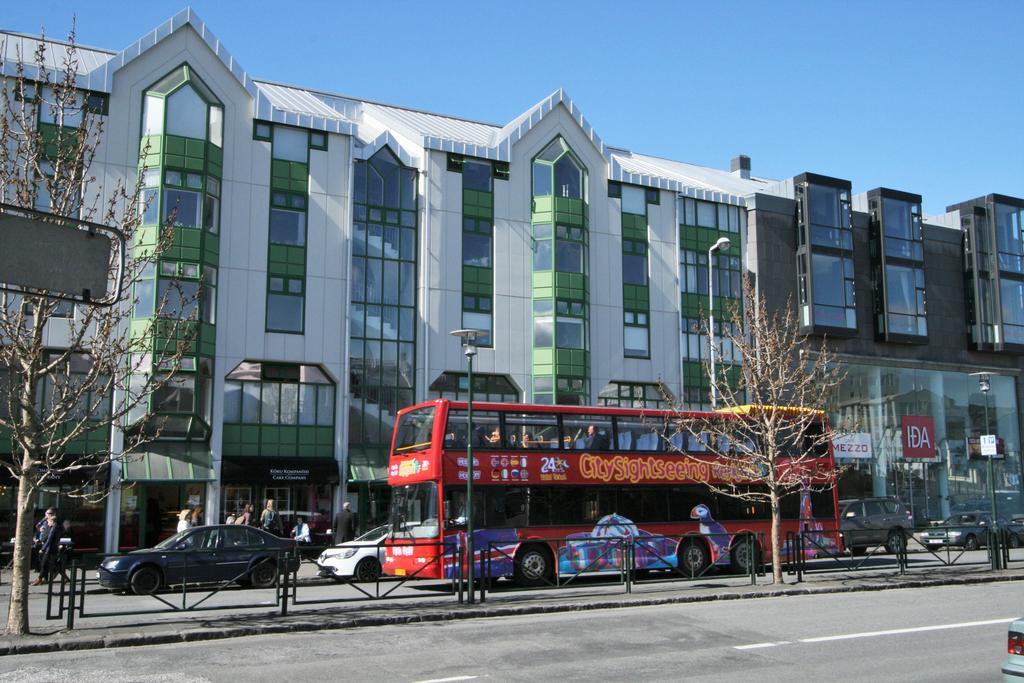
208,554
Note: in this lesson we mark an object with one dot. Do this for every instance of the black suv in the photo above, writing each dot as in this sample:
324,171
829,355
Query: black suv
868,522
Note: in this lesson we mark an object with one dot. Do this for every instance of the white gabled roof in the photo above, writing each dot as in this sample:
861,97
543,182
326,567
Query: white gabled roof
374,124
426,126
700,182
88,66
298,107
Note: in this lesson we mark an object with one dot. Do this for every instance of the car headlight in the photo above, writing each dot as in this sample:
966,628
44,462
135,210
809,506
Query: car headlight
112,563
347,553
954,534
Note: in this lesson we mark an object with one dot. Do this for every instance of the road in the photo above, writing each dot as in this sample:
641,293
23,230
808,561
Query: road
949,633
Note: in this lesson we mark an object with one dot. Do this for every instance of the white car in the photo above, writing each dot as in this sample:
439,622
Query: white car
1013,667
359,559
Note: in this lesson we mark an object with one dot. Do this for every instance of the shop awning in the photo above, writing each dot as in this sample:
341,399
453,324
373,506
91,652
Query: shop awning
169,462
284,471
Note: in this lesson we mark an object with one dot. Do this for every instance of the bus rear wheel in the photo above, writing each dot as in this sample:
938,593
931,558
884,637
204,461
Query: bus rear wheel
534,566
694,557
741,551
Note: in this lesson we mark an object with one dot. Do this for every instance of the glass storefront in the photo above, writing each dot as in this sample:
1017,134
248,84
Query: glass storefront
299,487
149,511
873,402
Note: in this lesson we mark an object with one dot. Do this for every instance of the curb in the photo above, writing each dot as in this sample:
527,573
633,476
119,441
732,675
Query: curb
137,639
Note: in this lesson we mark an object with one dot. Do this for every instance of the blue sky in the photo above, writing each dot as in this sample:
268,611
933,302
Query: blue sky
921,97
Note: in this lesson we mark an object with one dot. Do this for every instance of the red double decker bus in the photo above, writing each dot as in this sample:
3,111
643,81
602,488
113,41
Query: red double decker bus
545,472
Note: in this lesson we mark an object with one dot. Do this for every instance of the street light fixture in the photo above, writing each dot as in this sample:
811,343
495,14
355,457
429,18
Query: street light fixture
722,244
985,384
469,338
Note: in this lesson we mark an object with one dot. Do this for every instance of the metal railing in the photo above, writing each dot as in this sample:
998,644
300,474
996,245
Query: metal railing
626,560
806,552
634,559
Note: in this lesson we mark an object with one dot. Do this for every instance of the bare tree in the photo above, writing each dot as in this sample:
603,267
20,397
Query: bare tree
65,378
771,409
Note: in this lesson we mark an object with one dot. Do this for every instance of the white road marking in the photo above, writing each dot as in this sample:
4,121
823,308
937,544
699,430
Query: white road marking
872,634
446,680
757,646
915,629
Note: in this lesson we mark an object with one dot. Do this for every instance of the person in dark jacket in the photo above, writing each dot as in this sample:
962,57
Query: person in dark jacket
345,524
50,542
270,519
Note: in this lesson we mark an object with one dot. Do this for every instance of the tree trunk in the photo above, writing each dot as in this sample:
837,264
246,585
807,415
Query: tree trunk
776,540
17,614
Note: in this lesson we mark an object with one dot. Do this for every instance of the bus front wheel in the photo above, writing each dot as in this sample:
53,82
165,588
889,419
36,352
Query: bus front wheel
534,566
694,557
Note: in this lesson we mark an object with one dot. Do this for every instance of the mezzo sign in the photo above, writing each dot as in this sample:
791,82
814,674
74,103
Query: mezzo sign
918,436
853,446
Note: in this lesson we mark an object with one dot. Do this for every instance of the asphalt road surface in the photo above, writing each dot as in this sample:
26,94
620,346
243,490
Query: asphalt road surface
950,633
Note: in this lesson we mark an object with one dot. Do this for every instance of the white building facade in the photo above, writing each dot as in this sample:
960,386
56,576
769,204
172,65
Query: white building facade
341,240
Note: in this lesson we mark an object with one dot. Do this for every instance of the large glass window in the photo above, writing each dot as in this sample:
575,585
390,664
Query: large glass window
175,394
557,163
897,252
382,351
476,175
833,290
476,243
181,104
634,200
1012,298
825,257
634,262
182,207
179,298
486,387
636,336
186,114
285,304
291,144
264,393
906,297
287,227
1009,238
875,399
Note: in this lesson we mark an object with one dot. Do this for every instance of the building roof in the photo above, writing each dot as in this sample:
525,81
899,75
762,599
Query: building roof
373,124
18,48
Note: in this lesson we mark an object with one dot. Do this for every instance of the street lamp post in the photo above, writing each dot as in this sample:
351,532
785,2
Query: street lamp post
984,383
469,338
722,244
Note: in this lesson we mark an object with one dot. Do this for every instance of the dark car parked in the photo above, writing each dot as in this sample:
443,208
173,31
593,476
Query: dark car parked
207,554
868,522
968,530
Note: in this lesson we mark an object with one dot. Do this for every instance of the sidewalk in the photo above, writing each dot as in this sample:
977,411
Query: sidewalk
429,603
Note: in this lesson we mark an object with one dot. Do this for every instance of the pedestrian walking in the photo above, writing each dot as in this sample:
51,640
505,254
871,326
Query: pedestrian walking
65,545
48,549
232,517
196,518
345,524
183,520
270,519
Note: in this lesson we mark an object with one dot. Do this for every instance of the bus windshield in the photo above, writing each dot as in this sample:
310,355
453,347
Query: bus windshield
414,430
414,511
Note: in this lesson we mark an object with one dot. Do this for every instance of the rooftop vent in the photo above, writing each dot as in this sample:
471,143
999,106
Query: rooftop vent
741,166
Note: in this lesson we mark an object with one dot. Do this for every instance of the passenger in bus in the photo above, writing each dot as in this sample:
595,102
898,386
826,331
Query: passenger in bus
480,438
528,441
597,439
495,437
